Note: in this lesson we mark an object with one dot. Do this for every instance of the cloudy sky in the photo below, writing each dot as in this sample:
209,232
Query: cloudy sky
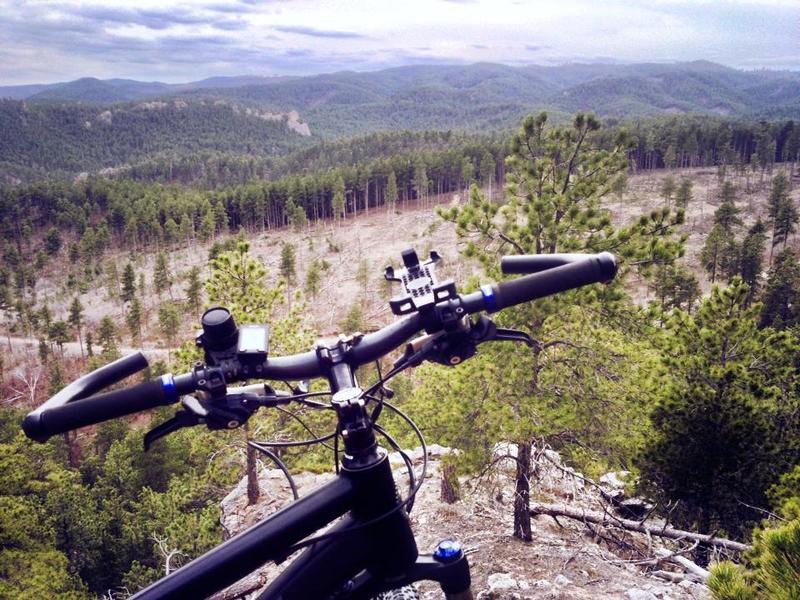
48,41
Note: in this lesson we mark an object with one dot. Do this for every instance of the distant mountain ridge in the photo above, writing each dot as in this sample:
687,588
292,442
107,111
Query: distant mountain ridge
107,91
486,81
62,127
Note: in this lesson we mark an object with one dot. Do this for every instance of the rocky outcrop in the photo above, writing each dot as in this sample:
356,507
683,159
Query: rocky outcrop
562,562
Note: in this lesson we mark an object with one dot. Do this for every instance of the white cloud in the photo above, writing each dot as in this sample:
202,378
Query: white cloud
178,41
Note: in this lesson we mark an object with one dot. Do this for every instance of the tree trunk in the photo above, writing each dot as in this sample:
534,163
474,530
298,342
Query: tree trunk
73,449
253,492
449,491
522,493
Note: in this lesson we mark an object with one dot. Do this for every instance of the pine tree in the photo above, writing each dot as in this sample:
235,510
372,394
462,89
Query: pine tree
58,333
112,279
287,264
134,320
391,192
712,448
52,241
313,278
107,338
727,214
784,223
338,204
668,188
75,319
354,320
237,281
162,278
89,344
781,308
713,251
782,212
420,180
751,260
557,178
128,283
777,195
676,287
683,195
194,289
168,324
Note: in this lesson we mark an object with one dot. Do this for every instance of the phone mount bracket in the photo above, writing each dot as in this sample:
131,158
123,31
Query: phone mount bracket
420,286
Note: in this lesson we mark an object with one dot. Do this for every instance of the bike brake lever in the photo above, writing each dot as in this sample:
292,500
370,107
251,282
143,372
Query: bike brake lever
484,330
182,418
512,335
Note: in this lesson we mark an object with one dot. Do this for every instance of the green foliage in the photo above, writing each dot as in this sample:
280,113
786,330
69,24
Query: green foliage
727,214
683,195
287,263
58,333
720,255
771,570
128,283
782,211
676,287
714,448
780,306
169,322
391,189
194,289
313,279
668,188
354,320
134,320
752,257
238,281
107,337
162,277
557,178
52,241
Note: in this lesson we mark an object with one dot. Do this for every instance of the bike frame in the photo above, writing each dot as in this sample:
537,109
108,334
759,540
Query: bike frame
371,550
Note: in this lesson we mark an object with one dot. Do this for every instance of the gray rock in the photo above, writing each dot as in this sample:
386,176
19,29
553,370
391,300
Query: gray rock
614,480
501,582
637,594
560,580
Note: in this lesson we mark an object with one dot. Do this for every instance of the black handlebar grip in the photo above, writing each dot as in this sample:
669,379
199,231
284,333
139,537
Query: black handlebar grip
594,268
525,264
40,425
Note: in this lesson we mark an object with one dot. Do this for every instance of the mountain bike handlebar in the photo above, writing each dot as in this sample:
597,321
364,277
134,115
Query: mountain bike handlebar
71,409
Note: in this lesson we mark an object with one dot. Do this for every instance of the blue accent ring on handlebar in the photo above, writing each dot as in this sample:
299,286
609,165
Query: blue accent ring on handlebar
168,383
488,297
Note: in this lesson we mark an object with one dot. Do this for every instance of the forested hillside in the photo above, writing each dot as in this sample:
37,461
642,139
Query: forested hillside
41,140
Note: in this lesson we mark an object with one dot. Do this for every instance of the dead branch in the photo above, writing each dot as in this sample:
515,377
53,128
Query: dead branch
684,563
604,520
675,577
166,552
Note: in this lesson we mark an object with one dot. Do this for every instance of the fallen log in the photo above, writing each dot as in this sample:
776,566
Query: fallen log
699,572
598,518
675,577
